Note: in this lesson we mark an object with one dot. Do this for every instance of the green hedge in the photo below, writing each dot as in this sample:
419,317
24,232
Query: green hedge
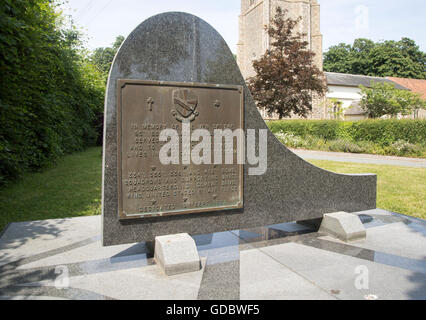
383,132
50,93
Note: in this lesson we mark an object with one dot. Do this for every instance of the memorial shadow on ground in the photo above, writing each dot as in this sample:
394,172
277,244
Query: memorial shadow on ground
419,280
18,234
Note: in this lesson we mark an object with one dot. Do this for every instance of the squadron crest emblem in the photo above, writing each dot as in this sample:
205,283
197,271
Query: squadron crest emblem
185,104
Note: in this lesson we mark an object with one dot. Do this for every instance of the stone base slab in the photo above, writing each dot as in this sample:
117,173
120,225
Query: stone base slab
344,226
177,254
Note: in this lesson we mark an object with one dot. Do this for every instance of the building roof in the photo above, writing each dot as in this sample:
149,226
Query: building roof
351,80
415,85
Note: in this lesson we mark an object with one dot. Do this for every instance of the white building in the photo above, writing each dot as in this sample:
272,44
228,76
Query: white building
345,88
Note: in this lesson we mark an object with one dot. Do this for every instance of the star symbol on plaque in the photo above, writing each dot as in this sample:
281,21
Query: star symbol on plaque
153,201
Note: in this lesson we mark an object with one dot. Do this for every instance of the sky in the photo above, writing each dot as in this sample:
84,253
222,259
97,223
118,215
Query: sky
341,20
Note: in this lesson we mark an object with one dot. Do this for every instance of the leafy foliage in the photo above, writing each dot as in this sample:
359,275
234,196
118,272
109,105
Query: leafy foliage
335,108
50,93
384,132
384,99
102,57
382,59
383,137
286,76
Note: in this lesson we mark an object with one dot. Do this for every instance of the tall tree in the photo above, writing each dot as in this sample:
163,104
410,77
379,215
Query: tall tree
102,57
286,76
382,59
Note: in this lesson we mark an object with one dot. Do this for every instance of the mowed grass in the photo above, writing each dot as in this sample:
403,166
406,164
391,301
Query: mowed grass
400,189
71,188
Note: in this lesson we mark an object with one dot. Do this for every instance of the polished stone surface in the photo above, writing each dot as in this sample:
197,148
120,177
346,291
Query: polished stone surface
285,261
183,48
265,278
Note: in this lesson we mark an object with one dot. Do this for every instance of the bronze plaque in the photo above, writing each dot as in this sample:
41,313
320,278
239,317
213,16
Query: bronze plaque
149,188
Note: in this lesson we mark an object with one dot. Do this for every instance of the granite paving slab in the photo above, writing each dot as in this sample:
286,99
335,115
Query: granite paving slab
284,261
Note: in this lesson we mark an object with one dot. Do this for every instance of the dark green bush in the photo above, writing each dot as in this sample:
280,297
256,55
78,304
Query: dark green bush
386,132
50,95
322,129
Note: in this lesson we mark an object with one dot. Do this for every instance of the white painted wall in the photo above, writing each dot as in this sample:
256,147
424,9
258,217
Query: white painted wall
345,94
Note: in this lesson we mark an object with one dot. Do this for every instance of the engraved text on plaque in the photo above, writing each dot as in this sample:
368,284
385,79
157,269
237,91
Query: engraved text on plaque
148,188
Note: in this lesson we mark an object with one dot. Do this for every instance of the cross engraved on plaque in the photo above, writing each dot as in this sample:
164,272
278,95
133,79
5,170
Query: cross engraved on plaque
150,102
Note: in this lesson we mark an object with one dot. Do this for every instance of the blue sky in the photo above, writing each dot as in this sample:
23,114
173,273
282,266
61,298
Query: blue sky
341,20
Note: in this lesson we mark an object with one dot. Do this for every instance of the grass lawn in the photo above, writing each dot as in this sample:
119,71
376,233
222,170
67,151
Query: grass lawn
73,188
400,189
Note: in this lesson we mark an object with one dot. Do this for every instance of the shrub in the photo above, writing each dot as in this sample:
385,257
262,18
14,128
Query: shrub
402,148
370,147
50,94
386,132
290,139
341,145
312,142
322,129
382,137
384,99
383,132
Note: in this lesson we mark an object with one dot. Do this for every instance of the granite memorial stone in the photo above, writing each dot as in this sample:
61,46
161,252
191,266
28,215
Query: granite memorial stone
175,72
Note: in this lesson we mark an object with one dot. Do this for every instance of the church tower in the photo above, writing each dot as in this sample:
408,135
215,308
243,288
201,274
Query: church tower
253,39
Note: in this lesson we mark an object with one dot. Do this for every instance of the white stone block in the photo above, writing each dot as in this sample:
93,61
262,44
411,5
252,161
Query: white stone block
177,254
344,226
